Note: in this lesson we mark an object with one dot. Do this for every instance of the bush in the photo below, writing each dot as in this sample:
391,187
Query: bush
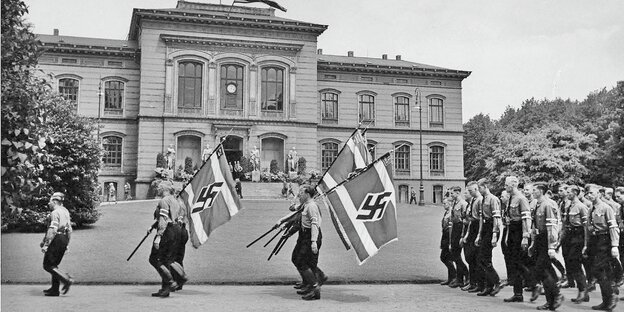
161,161
246,164
273,168
301,166
188,165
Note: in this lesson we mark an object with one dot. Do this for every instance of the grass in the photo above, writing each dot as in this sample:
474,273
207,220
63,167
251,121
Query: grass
97,254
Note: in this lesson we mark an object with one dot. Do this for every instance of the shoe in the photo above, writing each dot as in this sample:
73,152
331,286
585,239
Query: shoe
601,306
52,294
496,289
455,283
181,283
66,286
536,293
49,290
304,290
162,293
448,281
298,285
557,302
485,292
173,287
546,306
475,290
465,284
314,294
514,298
467,287
583,296
611,306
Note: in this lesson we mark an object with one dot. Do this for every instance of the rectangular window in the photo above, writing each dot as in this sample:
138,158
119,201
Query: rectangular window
68,88
436,112
436,156
402,160
113,95
401,111
329,151
112,148
330,76
437,194
232,87
69,61
367,108
272,89
329,105
115,63
189,86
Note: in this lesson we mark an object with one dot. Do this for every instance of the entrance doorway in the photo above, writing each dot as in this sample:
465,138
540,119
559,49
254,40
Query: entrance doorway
233,148
272,148
403,194
188,146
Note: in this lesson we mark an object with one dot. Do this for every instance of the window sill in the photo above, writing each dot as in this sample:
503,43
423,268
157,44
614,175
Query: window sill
436,173
402,124
329,121
436,125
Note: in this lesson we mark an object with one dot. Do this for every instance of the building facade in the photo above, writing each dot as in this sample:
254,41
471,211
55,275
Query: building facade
191,75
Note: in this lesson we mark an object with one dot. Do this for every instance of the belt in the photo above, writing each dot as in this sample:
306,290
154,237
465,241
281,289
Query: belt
575,228
600,233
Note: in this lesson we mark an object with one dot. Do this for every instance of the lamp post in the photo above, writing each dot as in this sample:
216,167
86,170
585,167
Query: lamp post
421,199
99,107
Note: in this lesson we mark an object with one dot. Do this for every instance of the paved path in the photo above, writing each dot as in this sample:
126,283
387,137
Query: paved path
343,298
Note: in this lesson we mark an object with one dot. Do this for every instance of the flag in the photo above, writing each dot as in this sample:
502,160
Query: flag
267,2
353,156
365,206
210,197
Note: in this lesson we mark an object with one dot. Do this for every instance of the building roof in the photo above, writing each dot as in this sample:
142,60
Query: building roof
84,45
216,14
381,66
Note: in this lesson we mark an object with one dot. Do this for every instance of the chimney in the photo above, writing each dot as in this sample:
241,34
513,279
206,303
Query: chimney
319,51
384,56
350,53
56,32
398,57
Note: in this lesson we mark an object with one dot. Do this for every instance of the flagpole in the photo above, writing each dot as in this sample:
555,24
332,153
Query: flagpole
340,151
205,162
366,128
357,173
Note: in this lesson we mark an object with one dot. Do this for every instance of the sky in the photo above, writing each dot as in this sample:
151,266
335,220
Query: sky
516,50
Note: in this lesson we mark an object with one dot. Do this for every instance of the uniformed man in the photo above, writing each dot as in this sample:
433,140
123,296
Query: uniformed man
619,197
489,230
573,241
516,236
564,203
531,283
55,243
602,240
445,243
616,207
546,237
458,215
309,243
587,257
473,216
182,220
162,256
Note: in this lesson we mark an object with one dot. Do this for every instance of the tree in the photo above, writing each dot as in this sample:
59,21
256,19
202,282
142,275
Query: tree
46,146
480,135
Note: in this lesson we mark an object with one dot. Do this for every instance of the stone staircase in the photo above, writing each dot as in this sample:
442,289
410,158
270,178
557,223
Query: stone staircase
257,190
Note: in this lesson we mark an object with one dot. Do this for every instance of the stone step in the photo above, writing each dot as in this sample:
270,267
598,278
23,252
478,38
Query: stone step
257,190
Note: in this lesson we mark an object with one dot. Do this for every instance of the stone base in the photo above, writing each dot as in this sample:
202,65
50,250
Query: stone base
255,176
292,175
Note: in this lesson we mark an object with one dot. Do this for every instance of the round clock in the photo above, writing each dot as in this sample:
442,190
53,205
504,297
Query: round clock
231,88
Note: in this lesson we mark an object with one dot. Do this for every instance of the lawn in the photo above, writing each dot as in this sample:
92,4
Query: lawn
98,254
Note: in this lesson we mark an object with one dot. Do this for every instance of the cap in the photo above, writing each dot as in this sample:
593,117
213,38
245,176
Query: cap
57,196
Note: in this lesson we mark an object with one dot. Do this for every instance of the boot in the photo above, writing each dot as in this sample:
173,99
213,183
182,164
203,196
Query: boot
467,287
65,279
496,289
310,280
536,292
612,304
475,290
179,275
546,306
557,302
601,306
320,276
514,298
314,294
455,283
583,296
298,285
163,292
448,281
486,292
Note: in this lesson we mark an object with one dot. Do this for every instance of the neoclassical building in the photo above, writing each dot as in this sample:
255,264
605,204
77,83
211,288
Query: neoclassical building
188,76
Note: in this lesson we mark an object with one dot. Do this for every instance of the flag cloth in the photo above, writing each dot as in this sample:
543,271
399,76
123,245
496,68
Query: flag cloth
366,208
267,2
210,197
353,156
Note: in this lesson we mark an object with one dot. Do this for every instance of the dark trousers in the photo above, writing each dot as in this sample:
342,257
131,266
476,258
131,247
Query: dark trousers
53,256
600,246
485,255
162,258
544,270
445,255
413,199
515,256
471,254
181,245
303,258
456,250
572,247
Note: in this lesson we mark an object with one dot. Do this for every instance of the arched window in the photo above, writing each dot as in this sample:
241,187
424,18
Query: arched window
401,111
272,89
329,152
232,86
329,106
113,95
436,159
189,84
436,112
367,107
113,151
402,160
68,88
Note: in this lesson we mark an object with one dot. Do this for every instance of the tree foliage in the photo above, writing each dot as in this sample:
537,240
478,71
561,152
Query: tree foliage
46,146
551,140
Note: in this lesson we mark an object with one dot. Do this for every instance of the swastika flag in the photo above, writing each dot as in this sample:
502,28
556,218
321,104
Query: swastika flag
365,206
353,156
210,198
